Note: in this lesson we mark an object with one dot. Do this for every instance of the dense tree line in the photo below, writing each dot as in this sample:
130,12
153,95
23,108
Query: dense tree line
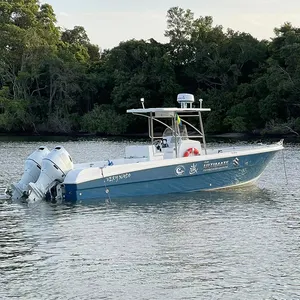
54,80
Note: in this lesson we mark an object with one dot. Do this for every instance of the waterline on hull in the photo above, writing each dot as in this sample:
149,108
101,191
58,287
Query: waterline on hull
242,184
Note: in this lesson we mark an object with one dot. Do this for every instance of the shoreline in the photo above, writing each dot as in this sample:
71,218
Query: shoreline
227,136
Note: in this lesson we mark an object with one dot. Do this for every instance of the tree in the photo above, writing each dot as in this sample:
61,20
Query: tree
57,80
79,38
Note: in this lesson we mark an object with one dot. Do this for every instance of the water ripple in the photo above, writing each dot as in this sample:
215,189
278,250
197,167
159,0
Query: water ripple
232,244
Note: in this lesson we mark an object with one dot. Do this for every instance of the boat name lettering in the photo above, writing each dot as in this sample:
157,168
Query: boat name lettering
116,178
215,165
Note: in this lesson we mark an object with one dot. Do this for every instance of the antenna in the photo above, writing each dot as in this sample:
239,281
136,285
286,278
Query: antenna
200,100
142,101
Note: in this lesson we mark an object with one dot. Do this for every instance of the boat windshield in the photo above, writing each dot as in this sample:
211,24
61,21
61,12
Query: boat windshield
182,132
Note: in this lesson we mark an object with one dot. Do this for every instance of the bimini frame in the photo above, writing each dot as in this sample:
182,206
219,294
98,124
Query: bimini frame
156,114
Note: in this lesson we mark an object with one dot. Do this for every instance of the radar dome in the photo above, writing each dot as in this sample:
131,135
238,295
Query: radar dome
185,100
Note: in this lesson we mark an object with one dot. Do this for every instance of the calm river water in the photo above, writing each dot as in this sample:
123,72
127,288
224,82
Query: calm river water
233,244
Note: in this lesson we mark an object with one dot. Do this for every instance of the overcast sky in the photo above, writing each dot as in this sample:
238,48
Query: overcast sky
109,22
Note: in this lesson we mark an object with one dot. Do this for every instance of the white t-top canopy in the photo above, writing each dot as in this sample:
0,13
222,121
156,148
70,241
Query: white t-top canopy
166,109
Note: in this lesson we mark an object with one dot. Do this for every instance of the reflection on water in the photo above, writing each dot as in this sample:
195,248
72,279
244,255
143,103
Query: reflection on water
229,244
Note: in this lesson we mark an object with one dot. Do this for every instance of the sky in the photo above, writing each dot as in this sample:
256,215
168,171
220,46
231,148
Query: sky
108,22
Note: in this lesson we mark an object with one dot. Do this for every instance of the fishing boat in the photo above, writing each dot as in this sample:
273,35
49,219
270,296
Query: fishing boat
177,161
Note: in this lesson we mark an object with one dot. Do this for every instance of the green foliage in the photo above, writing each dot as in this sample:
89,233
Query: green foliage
14,115
57,80
236,118
78,38
57,122
104,119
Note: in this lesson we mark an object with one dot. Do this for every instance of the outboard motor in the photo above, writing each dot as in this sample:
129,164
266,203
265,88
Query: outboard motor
54,170
32,170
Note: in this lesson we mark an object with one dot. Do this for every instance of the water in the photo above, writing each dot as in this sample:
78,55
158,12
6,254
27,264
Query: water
233,244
